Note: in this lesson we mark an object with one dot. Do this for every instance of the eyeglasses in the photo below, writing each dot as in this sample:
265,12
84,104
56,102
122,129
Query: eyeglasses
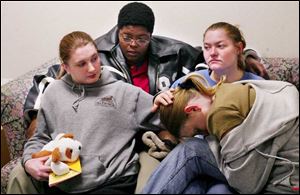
139,41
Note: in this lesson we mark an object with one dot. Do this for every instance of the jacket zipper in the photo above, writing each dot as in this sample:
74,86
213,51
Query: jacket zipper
128,78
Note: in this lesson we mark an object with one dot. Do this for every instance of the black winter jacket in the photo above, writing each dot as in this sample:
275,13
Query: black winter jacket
168,59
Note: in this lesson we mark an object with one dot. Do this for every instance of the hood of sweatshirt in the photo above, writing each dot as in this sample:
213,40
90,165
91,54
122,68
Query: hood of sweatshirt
80,89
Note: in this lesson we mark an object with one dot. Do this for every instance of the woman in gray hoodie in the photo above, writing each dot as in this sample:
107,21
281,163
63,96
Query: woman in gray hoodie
104,114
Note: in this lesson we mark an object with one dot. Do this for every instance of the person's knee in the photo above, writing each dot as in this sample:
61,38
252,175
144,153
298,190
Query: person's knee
185,152
195,150
19,182
195,142
17,171
194,146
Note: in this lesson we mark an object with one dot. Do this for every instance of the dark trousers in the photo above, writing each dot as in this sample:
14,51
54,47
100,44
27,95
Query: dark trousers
122,185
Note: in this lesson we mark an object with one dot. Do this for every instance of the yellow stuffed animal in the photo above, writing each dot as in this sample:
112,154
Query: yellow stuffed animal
62,149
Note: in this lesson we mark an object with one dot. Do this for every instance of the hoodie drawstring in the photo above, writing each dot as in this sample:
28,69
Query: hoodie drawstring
82,96
283,159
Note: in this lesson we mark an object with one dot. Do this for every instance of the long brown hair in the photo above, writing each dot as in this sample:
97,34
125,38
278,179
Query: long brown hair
234,34
173,115
69,44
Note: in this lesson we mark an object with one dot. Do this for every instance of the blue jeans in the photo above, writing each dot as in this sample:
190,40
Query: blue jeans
189,168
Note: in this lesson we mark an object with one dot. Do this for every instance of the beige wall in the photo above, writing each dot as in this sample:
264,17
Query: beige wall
31,31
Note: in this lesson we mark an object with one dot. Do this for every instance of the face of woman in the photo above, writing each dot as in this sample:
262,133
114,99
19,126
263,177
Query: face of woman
84,65
197,110
195,124
220,52
134,42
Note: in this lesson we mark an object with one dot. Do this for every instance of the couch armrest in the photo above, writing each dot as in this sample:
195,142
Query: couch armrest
5,171
4,149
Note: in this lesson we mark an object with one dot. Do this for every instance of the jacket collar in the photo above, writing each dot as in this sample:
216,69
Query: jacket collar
108,41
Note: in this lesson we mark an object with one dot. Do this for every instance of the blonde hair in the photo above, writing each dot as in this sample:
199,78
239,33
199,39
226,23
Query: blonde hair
69,44
173,115
234,34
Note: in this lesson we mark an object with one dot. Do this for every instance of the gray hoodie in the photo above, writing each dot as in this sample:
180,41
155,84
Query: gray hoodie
104,117
262,154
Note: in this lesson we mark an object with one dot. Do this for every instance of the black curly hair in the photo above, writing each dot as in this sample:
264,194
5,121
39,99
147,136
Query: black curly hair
136,14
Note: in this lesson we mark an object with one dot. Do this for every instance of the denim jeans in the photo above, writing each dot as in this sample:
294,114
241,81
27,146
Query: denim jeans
189,168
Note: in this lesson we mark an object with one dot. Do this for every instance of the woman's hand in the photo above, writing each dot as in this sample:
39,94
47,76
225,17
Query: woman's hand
36,168
165,98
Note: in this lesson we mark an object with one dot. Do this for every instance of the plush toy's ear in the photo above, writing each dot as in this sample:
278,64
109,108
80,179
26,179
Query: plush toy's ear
68,135
55,155
41,154
64,135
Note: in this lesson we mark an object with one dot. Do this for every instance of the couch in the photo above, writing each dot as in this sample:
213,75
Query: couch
13,96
